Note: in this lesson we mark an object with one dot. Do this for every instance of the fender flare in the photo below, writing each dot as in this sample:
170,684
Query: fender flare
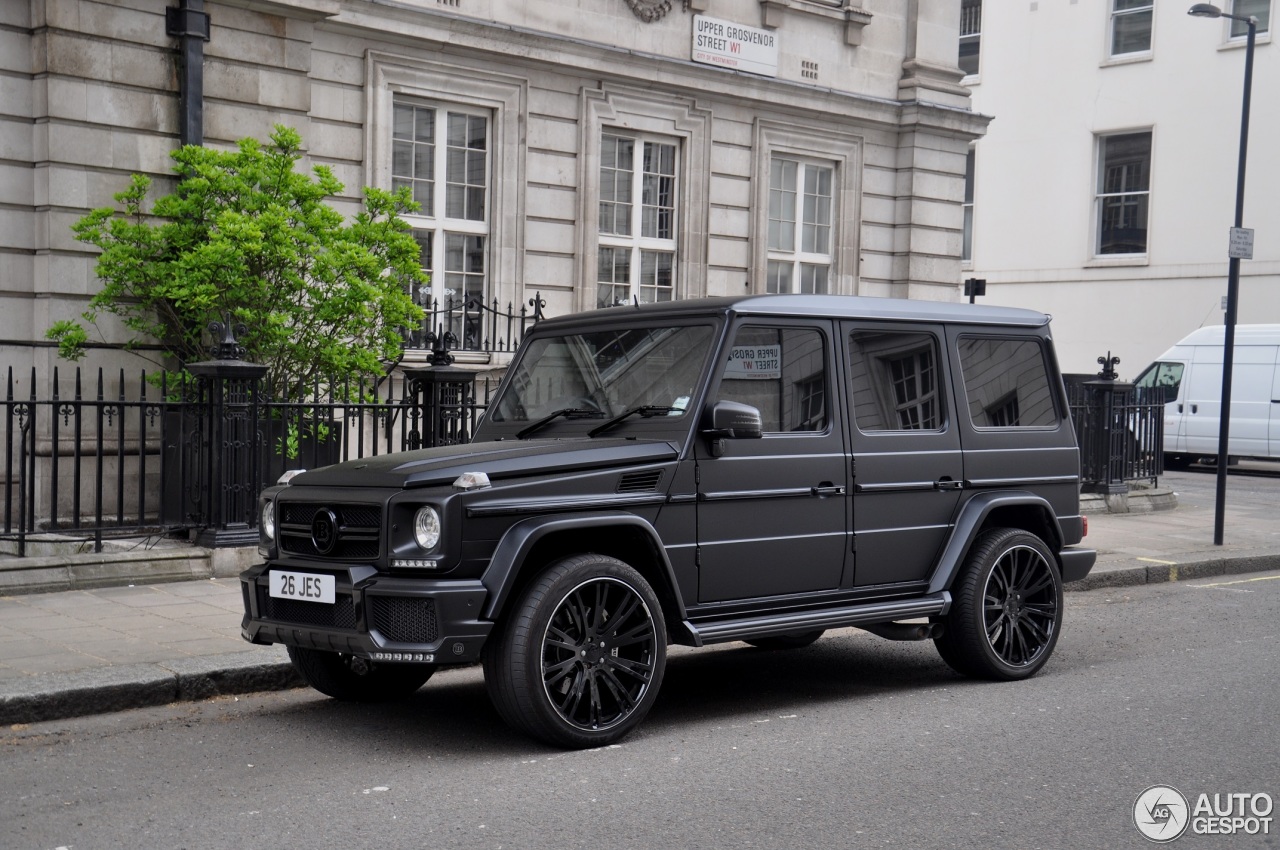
521,537
972,515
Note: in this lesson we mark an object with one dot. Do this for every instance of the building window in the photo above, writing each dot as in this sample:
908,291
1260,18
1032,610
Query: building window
1260,9
800,196
1123,190
637,227
970,35
1130,26
966,247
452,227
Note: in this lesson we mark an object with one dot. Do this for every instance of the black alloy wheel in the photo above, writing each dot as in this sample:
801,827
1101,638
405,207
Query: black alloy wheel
1007,610
579,661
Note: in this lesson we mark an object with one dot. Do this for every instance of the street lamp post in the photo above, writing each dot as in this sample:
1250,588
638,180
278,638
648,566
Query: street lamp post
1207,10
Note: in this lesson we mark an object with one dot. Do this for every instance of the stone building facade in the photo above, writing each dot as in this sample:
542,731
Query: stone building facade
592,151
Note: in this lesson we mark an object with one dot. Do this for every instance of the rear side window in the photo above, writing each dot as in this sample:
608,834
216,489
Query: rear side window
1006,383
893,378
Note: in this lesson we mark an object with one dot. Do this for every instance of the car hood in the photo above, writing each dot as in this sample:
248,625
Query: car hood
498,460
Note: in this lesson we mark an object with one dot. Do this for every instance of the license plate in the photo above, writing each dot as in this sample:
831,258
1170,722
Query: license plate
305,586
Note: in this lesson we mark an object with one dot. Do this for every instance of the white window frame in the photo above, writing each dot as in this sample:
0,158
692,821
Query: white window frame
461,89
843,152
796,257
1100,195
639,246
1114,18
970,188
1243,34
668,118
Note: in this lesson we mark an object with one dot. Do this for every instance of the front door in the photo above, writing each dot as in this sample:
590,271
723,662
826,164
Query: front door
772,512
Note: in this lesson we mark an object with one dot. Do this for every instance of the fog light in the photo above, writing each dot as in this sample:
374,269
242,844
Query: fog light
415,564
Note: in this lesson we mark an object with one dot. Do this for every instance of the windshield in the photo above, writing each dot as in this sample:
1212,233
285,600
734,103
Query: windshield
599,375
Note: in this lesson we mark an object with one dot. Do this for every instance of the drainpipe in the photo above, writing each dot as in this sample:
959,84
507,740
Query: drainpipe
189,22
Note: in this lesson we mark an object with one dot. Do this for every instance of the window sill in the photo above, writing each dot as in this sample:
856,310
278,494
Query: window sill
1118,261
971,80
1242,42
1127,59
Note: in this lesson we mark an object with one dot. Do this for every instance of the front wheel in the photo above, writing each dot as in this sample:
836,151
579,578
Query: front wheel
580,657
353,679
1007,611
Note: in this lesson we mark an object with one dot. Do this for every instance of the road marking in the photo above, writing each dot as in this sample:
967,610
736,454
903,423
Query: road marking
1155,561
1241,581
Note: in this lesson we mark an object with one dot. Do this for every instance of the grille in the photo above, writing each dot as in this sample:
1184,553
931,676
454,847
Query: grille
405,620
340,615
640,482
358,530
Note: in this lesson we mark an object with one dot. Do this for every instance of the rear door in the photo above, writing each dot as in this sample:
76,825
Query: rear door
907,464
1252,379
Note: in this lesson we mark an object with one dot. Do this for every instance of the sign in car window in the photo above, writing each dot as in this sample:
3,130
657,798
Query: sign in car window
759,362
735,46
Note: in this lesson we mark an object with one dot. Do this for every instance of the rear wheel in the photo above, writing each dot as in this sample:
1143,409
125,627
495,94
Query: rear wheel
1007,611
799,641
579,659
354,679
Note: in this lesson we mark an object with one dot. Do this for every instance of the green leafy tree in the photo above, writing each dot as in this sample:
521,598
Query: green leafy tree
245,234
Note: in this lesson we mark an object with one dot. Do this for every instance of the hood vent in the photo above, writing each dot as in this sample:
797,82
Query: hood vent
640,482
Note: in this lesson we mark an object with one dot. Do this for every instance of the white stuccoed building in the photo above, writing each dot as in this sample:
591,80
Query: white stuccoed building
1105,186
593,151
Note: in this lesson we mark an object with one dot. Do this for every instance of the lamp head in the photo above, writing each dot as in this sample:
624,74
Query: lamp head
1204,10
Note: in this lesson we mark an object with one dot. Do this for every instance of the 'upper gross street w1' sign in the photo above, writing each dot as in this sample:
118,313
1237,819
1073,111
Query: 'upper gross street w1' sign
736,46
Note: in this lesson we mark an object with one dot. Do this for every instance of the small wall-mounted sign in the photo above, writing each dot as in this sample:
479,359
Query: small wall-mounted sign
735,46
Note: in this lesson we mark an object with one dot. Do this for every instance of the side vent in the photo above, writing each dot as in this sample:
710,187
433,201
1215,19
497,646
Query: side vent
640,482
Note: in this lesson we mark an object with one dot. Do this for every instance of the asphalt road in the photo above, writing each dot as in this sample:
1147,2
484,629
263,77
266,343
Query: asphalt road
853,742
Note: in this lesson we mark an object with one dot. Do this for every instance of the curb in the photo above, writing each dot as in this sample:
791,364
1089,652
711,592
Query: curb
1161,573
109,689
142,685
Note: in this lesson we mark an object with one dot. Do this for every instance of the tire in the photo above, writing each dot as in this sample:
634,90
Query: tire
555,672
352,679
1006,613
799,641
1177,461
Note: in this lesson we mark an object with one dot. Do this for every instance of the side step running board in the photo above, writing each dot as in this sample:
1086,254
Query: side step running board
797,622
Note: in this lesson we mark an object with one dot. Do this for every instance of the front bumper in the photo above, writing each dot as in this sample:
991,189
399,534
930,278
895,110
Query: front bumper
374,616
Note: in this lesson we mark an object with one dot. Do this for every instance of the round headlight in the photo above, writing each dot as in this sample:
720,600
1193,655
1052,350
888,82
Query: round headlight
426,528
269,519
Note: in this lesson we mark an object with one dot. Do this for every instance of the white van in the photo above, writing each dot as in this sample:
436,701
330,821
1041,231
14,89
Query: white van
1191,373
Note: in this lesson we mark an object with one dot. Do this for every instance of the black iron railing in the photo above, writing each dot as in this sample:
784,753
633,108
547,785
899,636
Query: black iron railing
123,457
1120,430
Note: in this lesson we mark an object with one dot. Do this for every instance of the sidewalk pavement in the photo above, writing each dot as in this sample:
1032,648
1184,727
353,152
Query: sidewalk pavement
81,652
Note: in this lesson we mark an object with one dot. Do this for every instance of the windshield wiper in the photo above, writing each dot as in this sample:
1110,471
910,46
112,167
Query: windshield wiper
647,411
566,412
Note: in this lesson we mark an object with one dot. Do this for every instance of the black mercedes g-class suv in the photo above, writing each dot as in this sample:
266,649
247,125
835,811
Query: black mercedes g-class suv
754,469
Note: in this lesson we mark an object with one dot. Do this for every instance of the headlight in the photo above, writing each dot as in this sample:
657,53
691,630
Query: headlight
426,528
269,519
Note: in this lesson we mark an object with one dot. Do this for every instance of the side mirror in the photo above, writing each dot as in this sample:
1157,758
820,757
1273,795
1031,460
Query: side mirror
733,420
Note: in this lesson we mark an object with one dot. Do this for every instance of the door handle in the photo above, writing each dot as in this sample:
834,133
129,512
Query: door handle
826,489
1195,408
948,484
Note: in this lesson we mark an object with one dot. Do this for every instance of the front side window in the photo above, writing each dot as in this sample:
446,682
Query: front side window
1123,190
637,220
800,204
1260,9
1006,383
893,380
1130,26
442,155
782,373
970,35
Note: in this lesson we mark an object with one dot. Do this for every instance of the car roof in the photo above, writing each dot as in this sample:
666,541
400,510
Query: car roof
824,306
